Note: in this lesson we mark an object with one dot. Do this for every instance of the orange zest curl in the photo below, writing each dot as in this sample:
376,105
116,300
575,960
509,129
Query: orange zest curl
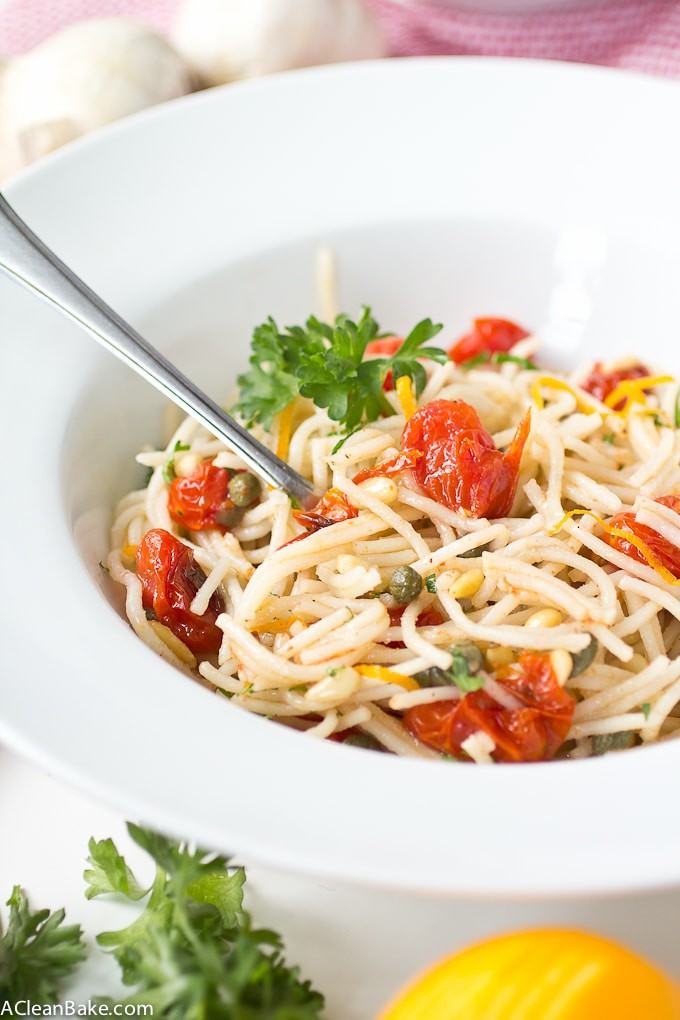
651,559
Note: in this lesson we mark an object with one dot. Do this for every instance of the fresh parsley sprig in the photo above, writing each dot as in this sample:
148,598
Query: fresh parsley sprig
326,364
192,952
37,952
498,358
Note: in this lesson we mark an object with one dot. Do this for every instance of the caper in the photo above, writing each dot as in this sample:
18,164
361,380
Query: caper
604,742
468,662
364,740
405,585
244,489
471,653
433,677
473,553
583,659
229,516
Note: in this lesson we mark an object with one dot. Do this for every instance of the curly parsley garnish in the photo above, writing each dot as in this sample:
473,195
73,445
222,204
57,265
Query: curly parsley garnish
192,952
37,952
326,364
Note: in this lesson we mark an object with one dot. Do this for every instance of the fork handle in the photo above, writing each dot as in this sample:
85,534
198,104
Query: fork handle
25,258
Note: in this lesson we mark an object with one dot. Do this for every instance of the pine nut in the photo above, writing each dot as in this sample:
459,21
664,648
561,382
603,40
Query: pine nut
186,465
384,489
562,665
333,690
499,656
544,618
347,562
467,584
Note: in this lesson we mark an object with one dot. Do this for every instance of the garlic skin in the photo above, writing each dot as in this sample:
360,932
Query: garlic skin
224,40
89,74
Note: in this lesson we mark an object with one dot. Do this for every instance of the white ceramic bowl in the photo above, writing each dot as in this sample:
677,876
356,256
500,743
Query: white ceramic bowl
449,188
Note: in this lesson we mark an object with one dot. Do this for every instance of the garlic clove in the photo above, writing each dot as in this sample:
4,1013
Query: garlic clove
91,73
224,40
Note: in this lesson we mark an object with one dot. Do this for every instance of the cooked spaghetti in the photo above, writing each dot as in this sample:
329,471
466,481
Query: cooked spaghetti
492,574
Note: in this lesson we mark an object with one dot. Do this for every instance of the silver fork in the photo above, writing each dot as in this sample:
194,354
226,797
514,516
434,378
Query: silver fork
25,258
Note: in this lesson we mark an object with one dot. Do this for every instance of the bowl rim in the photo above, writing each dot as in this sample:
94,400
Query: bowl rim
306,840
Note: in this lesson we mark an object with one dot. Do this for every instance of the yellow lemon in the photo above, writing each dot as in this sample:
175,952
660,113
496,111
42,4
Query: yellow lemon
546,974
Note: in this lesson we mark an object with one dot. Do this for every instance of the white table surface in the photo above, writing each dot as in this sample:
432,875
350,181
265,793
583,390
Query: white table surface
358,945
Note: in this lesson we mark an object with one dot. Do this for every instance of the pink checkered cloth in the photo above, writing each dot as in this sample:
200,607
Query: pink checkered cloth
643,35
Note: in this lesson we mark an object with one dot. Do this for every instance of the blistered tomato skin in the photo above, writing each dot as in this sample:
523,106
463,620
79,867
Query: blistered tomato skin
600,383
494,336
534,731
666,552
460,466
198,502
332,508
389,468
428,618
384,347
170,578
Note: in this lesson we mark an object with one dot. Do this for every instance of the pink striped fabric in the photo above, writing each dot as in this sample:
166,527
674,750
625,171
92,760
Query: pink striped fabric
642,35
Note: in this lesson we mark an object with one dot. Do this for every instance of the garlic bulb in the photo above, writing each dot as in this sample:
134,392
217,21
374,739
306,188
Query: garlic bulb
228,39
79,79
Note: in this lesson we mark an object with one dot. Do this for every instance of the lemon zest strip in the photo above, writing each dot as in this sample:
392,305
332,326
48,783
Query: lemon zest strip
558,384
652,560
631,390
285,427
407,397
388,676
279,626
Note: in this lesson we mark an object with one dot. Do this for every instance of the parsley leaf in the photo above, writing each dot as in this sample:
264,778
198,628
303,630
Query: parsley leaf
609,438
168,471
676,416
193,952
36,952
109,872
459,670
477,359
270,384
646,708
498,358
326,364
431,583
338,378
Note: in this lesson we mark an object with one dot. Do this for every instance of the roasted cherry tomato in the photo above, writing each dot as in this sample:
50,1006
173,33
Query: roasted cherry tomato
601,383
385,347
170,579
428,618
460,465
202,501
534,731
492,335
389,468
332,508
666,552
